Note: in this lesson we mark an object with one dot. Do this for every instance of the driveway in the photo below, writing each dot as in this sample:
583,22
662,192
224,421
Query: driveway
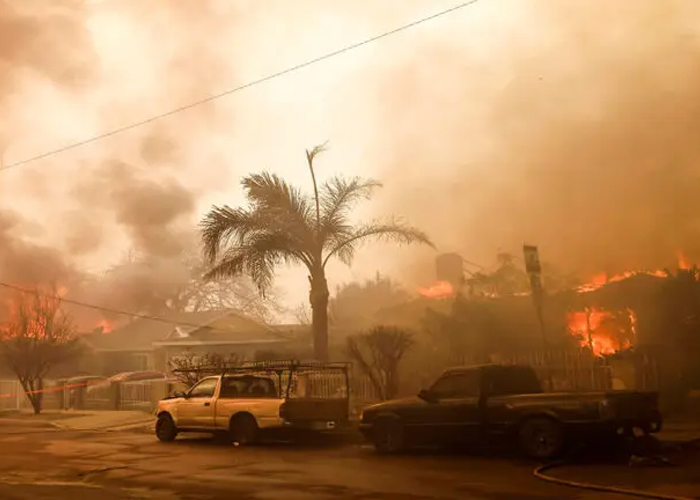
59,464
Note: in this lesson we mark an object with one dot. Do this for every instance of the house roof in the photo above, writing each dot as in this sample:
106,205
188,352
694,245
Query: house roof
412,312
225,326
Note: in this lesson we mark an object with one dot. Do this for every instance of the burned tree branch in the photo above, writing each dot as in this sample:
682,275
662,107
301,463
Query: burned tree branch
189,368
37,337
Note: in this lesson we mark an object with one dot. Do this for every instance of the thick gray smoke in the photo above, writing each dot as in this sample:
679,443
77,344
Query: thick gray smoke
580,136
135,196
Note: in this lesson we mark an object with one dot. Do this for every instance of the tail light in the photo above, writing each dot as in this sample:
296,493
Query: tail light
283,410
606,410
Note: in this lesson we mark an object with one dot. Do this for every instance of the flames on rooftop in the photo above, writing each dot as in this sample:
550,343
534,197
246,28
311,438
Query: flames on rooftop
600,330
604,331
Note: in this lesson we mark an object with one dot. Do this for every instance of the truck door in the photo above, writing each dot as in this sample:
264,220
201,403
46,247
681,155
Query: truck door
196,411
456,413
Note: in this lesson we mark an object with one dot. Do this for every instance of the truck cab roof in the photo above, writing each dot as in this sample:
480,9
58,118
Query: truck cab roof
486,367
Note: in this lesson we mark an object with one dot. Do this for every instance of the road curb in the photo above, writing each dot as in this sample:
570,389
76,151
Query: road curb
20,422
128,426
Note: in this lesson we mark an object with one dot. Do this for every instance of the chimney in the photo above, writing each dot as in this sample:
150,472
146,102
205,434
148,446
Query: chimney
449,267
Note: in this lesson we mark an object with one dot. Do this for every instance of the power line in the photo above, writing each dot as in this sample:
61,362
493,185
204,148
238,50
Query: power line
239,88
99,308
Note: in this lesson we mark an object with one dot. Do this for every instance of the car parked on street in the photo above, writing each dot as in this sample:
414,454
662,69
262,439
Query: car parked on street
125,377
244,402
481,403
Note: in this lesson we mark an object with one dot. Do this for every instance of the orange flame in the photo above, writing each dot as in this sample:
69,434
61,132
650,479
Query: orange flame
22,318
439,290
601,331
105,325
599,280
683,262
596,328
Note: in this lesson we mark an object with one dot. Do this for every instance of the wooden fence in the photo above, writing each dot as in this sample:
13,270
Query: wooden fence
568,370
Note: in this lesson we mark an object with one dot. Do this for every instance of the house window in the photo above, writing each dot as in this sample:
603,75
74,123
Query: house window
140,362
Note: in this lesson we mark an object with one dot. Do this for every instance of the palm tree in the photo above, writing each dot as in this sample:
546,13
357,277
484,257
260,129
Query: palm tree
282,225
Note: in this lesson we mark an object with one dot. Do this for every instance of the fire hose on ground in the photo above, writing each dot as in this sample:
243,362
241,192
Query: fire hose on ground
539,473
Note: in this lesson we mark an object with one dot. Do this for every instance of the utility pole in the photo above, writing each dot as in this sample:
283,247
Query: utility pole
534,271
589,332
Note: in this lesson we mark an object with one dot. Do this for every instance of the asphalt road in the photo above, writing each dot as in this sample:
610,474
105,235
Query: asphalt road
39,464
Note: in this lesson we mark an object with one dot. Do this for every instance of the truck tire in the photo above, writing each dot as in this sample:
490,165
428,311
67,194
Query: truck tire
243,430
541,438
165,429
388,435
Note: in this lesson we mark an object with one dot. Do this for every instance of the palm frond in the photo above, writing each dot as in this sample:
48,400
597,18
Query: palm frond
284,206
315,151
338,197
225,226
269,192
391,231
258,259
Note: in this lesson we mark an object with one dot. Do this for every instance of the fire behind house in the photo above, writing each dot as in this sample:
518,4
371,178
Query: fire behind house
634,315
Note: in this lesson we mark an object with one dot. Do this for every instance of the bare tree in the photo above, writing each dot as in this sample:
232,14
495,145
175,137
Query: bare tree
38,337
160,286
378,353
189,368
302,313
237,292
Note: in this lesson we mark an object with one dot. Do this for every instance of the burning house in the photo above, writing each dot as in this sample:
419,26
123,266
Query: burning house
642,324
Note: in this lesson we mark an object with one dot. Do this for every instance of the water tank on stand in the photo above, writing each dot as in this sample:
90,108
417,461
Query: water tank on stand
449,267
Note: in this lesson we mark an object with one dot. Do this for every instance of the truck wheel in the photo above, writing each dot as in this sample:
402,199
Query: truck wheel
541,438
165,429
388,435
243,430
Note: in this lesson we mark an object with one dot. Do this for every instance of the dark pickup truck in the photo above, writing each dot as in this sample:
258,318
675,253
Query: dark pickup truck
471,404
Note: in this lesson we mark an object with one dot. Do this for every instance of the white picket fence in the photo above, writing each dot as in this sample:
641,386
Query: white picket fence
142,395
13,397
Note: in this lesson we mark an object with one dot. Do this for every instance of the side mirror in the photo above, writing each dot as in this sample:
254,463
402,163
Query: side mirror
179,394
426,395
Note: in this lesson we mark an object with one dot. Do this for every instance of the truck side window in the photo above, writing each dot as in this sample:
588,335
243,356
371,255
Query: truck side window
204,389
232,388
262,388
456,385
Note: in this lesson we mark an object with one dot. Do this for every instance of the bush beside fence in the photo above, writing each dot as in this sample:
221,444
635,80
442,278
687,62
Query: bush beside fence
569,371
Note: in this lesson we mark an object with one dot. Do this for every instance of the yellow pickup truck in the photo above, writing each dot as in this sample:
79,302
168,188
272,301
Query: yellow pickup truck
244,402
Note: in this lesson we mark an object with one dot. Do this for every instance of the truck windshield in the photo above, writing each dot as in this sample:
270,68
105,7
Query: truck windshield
508,380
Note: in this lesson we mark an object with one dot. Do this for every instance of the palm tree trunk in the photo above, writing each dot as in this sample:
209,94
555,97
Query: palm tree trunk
319,317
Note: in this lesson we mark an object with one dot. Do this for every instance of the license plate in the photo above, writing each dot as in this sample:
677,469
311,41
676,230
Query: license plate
323,425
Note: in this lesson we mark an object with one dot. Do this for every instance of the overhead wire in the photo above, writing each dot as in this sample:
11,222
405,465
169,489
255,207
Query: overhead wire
133,125
96,307
228,92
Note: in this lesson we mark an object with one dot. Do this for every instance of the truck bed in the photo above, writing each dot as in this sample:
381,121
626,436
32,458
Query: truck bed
633,405
316,409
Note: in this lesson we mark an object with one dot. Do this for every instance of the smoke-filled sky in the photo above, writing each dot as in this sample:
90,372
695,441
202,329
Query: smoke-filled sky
564,123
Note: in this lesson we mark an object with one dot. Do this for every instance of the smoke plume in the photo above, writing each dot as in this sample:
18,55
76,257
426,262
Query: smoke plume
580,136
127,192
